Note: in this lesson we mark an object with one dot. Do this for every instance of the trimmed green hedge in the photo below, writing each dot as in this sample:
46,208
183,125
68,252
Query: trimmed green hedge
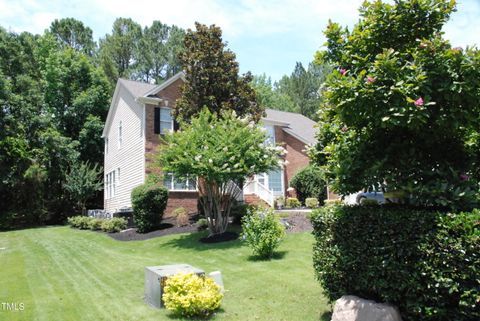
148,202
309,182
427,263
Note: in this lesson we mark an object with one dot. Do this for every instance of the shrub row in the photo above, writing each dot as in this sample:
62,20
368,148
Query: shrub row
425,262
113,225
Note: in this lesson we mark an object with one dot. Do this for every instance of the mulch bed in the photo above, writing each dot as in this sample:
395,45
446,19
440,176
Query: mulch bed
166,228
295,222
298,222
224,237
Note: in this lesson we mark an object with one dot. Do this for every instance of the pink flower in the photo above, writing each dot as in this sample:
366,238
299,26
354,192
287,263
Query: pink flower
458,49
370,79
343,71
419,102
464,177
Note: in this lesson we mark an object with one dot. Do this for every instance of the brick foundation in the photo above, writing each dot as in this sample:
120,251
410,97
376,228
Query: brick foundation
188,200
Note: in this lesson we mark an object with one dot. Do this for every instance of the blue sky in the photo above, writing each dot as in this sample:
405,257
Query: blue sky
267,36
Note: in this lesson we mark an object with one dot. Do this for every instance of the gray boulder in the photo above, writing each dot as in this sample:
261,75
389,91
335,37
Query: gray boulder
353,308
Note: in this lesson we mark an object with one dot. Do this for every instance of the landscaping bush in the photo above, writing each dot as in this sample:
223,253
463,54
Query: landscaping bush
262,231
95,224
202,224
238,211
311,202
191,295
148,202
279,202
292,202
181,216
425,262
368,202
81,222
114,225
333,202
309,182
73,221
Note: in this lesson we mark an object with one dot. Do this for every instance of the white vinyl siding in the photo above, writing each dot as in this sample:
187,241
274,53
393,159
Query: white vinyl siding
127,162
120,135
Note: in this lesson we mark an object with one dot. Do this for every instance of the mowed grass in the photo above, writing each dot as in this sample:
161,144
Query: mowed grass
60,273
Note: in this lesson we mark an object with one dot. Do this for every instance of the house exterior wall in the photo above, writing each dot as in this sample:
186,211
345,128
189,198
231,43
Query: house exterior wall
187,199
296,156
130,156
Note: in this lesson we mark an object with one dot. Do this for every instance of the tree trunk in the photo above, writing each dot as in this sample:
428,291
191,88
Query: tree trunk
213,206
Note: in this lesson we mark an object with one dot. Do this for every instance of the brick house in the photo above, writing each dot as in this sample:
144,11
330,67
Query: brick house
140,113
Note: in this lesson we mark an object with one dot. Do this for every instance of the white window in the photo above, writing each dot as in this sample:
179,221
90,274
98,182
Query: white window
270,131
178,184
120,138
163,120
166,121
110,185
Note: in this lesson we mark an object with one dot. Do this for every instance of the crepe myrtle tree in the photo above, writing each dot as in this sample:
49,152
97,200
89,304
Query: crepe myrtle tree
221,150
401,108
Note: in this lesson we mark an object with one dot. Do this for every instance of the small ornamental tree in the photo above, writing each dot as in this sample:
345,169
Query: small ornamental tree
82,182
219,150
402,107
212,77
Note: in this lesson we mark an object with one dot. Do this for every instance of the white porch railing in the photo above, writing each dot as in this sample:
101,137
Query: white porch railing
257,188
237,191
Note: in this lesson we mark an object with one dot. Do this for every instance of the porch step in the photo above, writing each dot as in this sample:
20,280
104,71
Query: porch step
253,199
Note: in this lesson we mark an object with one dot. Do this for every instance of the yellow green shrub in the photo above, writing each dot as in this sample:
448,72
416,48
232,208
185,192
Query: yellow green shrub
191,295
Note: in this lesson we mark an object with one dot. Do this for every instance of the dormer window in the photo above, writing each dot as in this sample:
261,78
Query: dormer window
163,122
120,138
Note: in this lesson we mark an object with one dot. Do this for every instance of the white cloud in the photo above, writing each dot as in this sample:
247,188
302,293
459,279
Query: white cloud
268,36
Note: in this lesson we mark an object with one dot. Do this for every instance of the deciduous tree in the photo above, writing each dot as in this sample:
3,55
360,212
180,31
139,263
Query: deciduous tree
221,150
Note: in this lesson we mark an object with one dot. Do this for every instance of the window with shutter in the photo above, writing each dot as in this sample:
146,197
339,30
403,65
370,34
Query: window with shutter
156,124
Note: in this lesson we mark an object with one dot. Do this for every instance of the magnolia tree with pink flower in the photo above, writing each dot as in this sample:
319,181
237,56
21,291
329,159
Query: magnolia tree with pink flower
401,108
221,151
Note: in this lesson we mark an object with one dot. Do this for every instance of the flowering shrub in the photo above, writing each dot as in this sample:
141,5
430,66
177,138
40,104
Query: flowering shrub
191,295
220,150
262,231
401,110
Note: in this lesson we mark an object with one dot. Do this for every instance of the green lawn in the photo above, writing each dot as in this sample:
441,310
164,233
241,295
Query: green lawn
59,273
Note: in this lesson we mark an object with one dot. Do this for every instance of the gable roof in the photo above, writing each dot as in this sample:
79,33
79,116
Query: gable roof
137,88
134,88
299,126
